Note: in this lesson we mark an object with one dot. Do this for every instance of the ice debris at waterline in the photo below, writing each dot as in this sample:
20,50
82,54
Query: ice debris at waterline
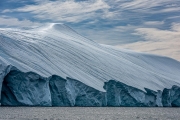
55,66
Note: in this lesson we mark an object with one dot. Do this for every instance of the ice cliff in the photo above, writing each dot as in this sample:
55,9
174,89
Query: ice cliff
52,65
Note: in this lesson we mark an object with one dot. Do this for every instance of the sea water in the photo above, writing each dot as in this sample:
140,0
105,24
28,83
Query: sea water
89,113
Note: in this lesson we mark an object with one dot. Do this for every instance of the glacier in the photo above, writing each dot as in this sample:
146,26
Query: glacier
53,65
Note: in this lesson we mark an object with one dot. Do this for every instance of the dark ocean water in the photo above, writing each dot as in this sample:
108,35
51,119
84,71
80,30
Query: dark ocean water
88,113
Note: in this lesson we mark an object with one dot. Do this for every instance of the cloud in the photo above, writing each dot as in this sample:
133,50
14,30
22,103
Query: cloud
6,11
140,4
162,42
69,11
175,27
153,23
14,22
154,34
111,36
152,6
172,9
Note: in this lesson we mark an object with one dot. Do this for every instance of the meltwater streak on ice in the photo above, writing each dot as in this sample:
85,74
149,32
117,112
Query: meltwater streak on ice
58,50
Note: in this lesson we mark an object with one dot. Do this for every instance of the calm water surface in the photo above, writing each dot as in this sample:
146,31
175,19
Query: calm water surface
88,113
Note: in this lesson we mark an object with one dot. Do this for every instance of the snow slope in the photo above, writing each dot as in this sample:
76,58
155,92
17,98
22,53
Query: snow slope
56,49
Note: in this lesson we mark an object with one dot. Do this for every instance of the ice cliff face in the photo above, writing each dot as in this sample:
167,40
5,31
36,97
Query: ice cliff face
55,66
30,89
70,92
25,89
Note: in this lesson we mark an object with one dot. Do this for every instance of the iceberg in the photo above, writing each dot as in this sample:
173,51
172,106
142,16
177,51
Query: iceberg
53,65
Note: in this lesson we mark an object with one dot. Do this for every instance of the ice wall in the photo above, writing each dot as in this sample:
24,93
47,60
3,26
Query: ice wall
30,89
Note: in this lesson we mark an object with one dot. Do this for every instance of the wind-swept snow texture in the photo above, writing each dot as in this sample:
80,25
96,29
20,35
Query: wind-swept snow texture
56,49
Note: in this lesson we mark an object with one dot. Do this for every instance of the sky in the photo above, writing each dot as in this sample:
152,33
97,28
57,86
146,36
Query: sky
151,26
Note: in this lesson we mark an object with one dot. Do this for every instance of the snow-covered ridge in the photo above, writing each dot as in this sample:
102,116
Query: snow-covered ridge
58,50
